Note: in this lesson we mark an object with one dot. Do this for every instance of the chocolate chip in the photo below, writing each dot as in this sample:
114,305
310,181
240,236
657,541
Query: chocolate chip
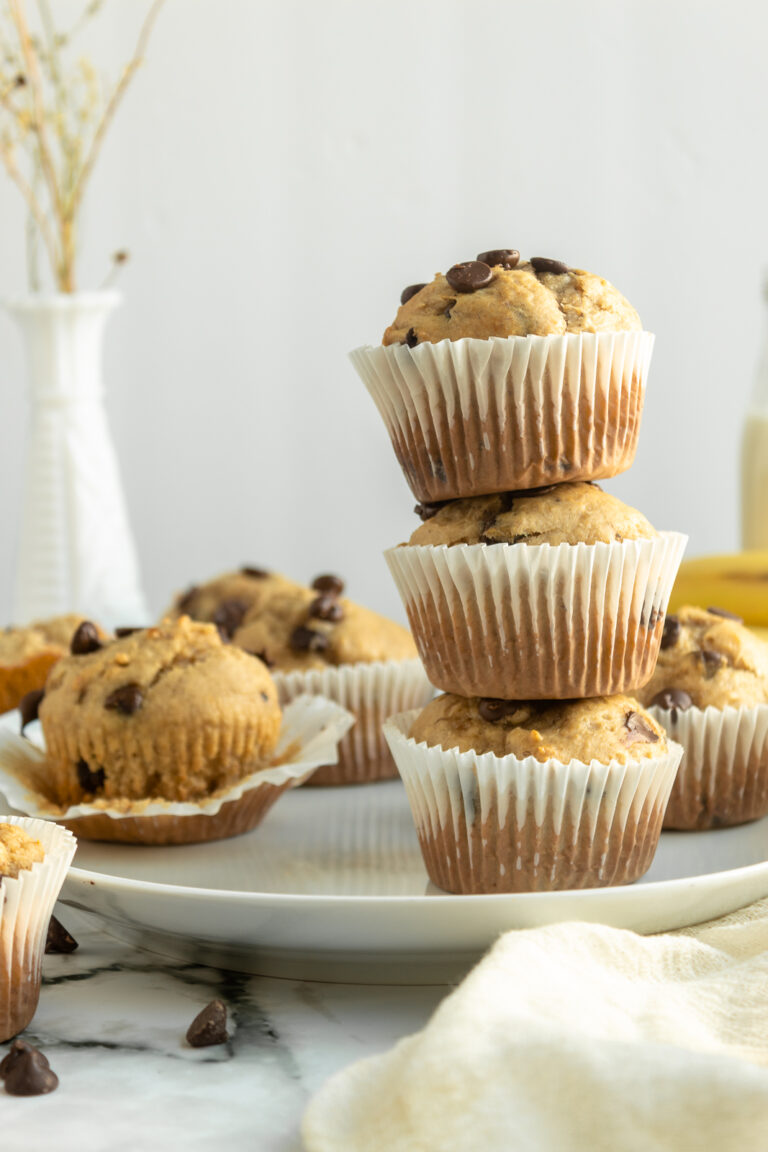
29,706
89,780
671,632
85,640
261,656
410,291
185,602
725,614
447,313
712,661
121,633
326,608
494,710
126,700
427,511
469,276
254,573
229,616
328,584
544,264
306,640
27,1072
483,539
505,257
58,939
411,339
209,1026
673,700
638,729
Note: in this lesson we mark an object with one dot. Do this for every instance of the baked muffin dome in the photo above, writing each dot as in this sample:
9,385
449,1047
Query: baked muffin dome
609,729
28,654
537,297
18,850
575,513
708,658
226,599
169,712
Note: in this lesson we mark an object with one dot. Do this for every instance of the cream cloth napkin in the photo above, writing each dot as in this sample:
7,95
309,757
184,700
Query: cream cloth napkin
576,1038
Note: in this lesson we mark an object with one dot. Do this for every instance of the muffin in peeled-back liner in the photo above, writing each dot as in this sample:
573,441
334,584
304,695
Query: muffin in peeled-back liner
520,796
506,374
170,713
537,595
28,654
710,691
34,857
317,641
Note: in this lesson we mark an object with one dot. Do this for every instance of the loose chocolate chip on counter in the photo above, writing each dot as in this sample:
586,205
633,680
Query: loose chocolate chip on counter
544,264
85,640
254,573
712,661
494,710
638,729
671,632
411,339
26,1071
58,939
306,640
505,257
426,511
121,633
673,700
89,780
29,706
725,614
328,584
209,1026
410,291
469,276
186,601
326,607
229,616
126,699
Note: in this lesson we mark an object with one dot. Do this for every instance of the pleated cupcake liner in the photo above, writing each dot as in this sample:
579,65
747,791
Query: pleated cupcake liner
26,904
371,692
723,775
490,823
470,417
528,622
311,730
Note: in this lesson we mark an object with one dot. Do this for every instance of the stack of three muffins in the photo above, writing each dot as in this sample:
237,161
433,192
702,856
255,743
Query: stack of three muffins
536,600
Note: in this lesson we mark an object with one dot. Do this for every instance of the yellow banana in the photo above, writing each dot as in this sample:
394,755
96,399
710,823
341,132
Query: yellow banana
736,582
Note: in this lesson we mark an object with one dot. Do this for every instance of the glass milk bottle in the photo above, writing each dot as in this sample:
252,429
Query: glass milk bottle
754,450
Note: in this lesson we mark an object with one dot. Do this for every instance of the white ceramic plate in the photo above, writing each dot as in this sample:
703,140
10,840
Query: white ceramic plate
332,887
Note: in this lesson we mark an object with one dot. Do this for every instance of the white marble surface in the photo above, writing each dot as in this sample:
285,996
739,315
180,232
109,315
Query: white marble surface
112,1021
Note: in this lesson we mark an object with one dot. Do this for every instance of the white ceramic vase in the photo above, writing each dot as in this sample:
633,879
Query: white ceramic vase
76,549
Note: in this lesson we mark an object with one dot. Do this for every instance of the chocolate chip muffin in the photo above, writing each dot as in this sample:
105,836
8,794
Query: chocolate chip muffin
169,712
710,690
227,599
534,795
576,513
28,654
497,294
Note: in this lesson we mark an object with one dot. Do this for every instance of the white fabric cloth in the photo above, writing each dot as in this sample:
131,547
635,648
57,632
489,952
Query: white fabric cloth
576,1038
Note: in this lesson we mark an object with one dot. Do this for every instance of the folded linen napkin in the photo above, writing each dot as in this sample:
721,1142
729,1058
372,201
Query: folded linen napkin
576,1038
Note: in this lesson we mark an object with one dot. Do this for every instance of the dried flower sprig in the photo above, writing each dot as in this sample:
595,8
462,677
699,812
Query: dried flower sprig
54,116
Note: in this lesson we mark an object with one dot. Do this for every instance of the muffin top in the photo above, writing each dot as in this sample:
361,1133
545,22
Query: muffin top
225,600
299,629
604,728
499,295
19,644
156,679
574,513
708,659
18,850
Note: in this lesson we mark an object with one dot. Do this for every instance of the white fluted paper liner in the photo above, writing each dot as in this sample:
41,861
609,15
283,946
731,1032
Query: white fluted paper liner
311,730
371,692
26,904
490,823
723,775
470,417
526,622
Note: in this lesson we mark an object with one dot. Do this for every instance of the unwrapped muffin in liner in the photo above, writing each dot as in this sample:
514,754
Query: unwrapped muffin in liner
491,823
371,692
311,730
471,417
723,775
537,622
26,904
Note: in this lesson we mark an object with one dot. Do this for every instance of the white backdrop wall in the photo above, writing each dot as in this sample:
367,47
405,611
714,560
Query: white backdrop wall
280,170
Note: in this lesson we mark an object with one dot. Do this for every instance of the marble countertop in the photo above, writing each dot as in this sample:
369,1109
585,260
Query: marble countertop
112,1020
